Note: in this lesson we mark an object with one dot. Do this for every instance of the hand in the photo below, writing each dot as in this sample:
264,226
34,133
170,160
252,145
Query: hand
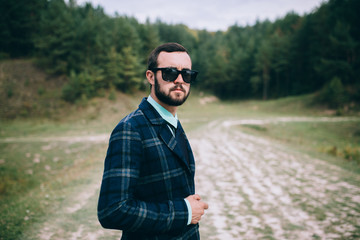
197,206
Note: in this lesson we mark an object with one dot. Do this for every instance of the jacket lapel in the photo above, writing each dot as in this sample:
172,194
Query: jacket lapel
165,134
170,141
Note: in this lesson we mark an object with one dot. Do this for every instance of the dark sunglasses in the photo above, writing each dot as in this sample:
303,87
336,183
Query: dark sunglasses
171,74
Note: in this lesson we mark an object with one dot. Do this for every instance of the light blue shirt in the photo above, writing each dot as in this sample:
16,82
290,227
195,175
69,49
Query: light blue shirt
173,120
165,114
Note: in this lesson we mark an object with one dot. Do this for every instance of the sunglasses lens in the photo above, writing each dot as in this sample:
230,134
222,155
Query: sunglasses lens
187,76
169,74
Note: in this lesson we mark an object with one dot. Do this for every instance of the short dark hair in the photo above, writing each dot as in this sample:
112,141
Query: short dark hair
166,47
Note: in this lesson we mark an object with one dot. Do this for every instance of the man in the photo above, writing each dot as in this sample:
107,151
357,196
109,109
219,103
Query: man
148,188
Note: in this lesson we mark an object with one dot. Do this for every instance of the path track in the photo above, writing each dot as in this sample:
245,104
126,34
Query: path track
256,189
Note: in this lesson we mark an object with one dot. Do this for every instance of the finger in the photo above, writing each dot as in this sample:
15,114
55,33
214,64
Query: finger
197,197
206,206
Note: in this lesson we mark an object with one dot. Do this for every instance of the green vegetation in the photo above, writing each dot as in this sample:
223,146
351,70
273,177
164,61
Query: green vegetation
34,177
317,52
338,139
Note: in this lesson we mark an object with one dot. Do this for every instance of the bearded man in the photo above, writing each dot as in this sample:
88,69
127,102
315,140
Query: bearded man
148,188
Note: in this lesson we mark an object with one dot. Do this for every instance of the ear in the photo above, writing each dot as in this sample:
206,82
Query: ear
150,75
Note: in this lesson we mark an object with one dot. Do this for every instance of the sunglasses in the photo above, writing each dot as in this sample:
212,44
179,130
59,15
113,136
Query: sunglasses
171,74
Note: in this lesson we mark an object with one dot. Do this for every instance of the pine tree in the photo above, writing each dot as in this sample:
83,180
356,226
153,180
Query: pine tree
129,71
18,25
56,38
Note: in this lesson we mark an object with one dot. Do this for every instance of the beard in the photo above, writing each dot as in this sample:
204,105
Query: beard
167,98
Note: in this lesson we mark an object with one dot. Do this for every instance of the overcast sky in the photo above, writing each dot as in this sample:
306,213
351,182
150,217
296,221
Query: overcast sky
211,15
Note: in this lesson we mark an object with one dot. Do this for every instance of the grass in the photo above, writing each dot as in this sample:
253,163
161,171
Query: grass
35,176
340,140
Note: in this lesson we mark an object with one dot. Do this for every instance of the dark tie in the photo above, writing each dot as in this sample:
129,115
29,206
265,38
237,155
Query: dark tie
173,129
181,140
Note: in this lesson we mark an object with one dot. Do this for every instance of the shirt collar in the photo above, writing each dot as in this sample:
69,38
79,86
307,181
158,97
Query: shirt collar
165,114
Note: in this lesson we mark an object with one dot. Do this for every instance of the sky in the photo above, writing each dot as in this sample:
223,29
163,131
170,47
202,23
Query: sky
211,15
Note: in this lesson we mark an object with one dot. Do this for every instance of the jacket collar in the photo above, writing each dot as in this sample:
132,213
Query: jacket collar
150,113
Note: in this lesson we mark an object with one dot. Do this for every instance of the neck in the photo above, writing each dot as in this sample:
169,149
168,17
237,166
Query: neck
171,109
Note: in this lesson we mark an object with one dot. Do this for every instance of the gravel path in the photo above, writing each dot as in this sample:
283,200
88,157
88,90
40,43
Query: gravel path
259,189
256,189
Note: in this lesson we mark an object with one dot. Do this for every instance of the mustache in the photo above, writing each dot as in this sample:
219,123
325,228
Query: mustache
176,87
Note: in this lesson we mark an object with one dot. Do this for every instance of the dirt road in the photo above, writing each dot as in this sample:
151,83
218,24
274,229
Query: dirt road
259,189
256,189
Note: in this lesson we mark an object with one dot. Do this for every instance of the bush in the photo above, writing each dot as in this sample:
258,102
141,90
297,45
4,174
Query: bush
349,153
352,154
72,90
333,94
80,85
112,95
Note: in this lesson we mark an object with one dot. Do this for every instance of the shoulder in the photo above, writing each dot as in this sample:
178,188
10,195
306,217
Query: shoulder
144,121
145,114
132,121
136,119
128,129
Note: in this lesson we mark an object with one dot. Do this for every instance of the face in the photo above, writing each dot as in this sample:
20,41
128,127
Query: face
171,93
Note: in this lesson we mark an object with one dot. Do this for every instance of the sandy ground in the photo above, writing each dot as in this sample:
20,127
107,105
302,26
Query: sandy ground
256,189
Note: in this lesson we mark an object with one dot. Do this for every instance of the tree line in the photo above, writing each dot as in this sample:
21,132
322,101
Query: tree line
317,52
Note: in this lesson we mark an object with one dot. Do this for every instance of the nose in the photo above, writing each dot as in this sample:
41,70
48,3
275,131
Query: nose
179,79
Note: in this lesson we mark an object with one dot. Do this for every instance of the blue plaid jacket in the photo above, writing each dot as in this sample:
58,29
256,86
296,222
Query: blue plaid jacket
146,178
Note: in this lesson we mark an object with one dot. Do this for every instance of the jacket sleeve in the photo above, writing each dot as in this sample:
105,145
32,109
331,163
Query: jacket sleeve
117,206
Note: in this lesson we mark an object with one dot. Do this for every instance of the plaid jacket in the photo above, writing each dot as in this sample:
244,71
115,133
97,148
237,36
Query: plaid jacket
146,178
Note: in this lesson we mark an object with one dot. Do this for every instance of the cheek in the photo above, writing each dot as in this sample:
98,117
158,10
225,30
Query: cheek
165,88
187,87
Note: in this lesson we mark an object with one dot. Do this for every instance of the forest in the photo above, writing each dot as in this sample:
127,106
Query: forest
318,52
